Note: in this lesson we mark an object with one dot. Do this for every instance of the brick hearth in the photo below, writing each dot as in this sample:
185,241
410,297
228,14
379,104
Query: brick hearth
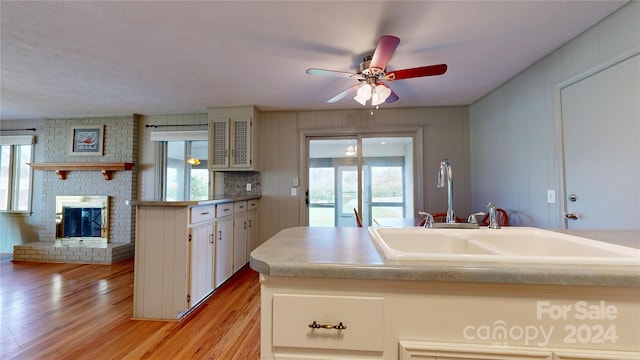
49,251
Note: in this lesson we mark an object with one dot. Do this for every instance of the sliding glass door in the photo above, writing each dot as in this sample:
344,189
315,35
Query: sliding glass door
372,175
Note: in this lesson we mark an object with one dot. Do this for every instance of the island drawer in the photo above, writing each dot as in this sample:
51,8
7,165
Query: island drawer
201,213
252,204
224,209
239,206
302,321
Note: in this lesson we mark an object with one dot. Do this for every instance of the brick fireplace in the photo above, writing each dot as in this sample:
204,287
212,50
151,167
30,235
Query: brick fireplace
121,140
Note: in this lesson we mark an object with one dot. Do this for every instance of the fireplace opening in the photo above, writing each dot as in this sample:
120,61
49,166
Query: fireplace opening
82,222
82,218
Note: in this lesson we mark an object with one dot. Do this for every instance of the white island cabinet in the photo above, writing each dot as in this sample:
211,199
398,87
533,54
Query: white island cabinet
329,294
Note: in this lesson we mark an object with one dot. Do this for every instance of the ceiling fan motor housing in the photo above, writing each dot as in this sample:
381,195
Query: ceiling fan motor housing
364,65
364,68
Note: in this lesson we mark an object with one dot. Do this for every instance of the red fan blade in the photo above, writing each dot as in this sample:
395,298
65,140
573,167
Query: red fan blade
386,47
350,91
334,73
416,72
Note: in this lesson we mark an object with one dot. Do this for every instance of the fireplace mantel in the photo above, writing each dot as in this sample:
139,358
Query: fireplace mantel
62,169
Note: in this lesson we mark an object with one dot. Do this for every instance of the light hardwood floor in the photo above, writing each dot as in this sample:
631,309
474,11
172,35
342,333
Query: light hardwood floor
72,311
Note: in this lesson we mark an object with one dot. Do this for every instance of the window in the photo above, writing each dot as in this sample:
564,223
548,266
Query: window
387,191
15,174
322,198
185,178
384,166
183,165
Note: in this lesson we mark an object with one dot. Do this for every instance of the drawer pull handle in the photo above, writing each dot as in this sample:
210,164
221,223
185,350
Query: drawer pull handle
315,325
204,213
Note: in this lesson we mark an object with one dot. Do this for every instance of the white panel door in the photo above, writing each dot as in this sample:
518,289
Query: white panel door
601,134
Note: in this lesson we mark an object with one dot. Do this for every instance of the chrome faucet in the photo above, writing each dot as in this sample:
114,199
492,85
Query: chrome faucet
428,219
472,218
445,171
493,218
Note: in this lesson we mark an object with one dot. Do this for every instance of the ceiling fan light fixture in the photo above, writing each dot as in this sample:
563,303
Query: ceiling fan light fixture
363,94
380,95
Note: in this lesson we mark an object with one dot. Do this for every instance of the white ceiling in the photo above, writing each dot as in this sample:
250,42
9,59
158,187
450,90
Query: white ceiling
88,58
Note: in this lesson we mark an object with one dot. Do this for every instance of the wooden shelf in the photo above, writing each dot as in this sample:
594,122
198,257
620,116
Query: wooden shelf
107,168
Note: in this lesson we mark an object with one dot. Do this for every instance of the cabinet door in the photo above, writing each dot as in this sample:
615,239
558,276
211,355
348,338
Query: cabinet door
240,140
218,143
252,232
591,354
418,350
202,251
224,250
239,241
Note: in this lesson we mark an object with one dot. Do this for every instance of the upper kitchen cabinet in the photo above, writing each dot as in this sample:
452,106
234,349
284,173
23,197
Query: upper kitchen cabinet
232,139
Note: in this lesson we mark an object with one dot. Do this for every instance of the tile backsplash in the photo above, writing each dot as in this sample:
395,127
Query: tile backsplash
235,183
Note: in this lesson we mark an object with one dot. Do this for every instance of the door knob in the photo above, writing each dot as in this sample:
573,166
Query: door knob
571,216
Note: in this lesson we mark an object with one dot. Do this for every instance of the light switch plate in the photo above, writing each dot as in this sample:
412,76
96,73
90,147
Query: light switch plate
249,187
551,196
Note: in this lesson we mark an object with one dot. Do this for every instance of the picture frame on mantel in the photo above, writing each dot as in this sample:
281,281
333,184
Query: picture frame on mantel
87,140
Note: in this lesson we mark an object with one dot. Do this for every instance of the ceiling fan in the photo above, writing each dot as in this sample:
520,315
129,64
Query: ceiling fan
371,74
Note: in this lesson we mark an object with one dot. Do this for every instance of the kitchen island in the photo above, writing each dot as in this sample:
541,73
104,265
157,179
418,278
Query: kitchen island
328,293
187,249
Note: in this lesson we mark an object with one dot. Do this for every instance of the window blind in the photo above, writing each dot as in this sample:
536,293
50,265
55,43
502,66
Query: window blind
179,135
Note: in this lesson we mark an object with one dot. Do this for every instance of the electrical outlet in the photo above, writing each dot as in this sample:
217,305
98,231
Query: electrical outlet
249,187
551,196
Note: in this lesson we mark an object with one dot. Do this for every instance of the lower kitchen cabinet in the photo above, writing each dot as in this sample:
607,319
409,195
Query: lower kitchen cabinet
239,235
202,261
183,252
224,249
330,318
418,350
173,259
252,228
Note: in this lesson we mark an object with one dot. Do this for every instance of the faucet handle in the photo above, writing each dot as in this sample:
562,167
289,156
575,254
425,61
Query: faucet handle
493,217
428,221
472,218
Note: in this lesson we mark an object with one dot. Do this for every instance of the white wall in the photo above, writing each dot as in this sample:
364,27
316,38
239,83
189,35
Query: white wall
444,130
512,130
